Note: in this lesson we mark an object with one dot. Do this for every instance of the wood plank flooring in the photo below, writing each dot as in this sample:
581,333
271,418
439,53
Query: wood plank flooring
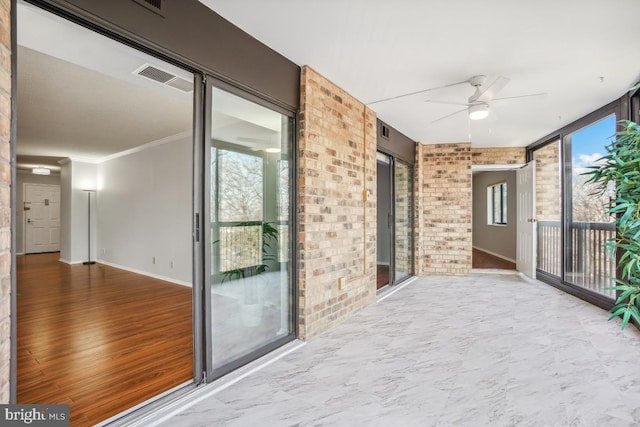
97,338
382,276
482,259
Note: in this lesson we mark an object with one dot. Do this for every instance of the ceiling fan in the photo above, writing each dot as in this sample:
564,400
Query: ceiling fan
477,105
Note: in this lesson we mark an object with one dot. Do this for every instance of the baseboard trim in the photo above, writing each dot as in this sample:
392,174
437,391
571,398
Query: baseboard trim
495,254
145,273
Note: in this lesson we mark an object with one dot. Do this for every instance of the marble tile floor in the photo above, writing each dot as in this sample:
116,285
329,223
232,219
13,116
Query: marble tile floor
482,350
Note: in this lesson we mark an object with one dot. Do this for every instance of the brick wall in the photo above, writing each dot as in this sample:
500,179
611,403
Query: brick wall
498,156
443,209
5,199
337,229
548,194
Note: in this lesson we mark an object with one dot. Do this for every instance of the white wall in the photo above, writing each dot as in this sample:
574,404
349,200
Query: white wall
83,177
25,177
144,211
496,239
65,210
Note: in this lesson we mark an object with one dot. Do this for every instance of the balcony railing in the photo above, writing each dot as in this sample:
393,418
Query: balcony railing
589,265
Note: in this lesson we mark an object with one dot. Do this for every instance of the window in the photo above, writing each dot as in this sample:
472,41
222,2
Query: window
497,204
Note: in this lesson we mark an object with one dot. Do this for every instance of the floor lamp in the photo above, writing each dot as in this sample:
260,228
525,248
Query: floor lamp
88,261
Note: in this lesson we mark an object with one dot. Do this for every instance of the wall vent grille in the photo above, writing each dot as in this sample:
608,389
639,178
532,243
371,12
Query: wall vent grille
152,5
156,74
385,131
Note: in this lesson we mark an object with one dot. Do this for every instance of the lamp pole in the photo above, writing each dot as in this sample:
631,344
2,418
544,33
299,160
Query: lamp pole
88,261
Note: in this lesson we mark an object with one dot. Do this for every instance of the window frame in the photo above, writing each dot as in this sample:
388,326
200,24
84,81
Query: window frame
491,204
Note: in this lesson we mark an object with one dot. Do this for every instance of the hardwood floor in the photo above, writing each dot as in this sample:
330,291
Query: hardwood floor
482,259
98,338
383,276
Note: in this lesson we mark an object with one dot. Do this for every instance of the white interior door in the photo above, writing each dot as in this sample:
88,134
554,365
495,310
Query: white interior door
526,226
42,218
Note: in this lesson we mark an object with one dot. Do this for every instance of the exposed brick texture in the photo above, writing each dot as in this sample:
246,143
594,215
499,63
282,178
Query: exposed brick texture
498,156
443,209
337,229
5,202
548,194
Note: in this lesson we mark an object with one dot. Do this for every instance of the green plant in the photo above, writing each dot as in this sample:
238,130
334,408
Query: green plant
269,237
620,168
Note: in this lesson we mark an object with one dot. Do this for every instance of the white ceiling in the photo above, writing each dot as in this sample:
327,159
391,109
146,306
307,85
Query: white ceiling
582,53
79,97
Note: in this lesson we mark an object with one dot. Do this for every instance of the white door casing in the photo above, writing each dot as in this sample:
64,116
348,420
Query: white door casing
42,218
526,224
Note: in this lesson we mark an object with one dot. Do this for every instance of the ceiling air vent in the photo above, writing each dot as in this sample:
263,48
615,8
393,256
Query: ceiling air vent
152,5
154,73
181,84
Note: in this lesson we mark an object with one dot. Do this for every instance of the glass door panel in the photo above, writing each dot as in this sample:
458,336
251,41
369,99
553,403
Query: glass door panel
549,208
587,226
385,221
403,224
249,224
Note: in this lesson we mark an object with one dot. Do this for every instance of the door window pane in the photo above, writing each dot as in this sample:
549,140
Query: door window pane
588,227
250,194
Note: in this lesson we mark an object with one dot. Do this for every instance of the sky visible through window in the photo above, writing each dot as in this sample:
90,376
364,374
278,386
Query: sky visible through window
587,148
587,145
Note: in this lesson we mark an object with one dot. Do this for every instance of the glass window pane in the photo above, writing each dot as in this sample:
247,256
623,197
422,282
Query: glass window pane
588,227
250,193
497,203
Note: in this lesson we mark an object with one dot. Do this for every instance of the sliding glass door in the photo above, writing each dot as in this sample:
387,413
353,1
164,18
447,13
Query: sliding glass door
549,208
403,242
587,226
395,223
249,196
573,226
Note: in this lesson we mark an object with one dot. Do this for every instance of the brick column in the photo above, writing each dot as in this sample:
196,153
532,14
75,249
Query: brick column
337,228
444,209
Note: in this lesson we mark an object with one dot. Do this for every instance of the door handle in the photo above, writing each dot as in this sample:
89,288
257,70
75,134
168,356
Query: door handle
29,220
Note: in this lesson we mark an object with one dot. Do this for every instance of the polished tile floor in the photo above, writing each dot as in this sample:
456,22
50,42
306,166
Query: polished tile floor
483,350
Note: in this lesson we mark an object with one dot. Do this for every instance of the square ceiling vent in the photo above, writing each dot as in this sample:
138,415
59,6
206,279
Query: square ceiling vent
158,75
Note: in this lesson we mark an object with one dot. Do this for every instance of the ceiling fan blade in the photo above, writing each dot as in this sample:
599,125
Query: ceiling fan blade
416,92
448,115
491,91
433,101
521,96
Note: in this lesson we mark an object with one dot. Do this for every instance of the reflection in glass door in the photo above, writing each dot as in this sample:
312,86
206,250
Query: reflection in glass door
395,224
403,189
384,208
249,218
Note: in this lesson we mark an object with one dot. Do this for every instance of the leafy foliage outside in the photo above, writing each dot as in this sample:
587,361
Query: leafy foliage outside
269,237
620,167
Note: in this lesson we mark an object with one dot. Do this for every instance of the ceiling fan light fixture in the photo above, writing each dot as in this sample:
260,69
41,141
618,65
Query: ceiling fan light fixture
478,112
